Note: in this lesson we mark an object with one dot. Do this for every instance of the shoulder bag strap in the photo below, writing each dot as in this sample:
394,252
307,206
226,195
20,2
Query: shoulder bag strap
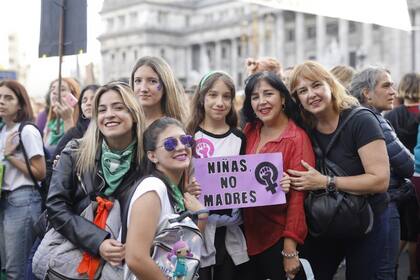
341,126
25,154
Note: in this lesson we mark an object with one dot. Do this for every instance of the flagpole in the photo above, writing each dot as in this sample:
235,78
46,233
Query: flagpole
60,55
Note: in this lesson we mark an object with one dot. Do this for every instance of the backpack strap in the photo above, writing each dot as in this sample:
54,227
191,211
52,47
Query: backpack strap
25,154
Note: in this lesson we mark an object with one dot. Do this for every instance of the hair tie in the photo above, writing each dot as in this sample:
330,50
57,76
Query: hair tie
209,74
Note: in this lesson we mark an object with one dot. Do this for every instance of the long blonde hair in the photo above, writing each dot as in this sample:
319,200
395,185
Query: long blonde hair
93,138
173,102
313,71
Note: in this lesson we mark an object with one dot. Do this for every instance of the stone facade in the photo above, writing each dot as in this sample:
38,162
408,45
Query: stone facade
195,36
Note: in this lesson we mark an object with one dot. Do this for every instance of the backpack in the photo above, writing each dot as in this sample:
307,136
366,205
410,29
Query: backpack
176,247
58,258
43,185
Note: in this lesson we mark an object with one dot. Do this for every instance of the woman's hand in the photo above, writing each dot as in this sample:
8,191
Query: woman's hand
193,188
192,203
285,182
11,144
291,266
55,162
64,111
307,180
112,251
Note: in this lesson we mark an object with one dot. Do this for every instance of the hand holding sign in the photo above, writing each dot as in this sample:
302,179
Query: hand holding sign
193,188
241,181
285,182
308,180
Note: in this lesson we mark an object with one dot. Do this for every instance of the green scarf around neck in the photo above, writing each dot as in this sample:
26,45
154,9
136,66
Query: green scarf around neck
178,197
115,164
53,136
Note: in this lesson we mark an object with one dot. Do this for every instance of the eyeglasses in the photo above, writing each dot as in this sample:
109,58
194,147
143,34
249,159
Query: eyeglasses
170,143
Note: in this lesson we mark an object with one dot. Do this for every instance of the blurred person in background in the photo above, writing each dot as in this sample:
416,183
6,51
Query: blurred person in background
344,74
62,113
405,120
20,201
374,89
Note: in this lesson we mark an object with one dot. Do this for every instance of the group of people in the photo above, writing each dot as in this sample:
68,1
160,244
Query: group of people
140,138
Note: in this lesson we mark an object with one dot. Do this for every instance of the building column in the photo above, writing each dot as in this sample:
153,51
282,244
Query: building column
261,37
204,63
343,37
234,59
366,45
299,37
217,55
188,65
320,37
416,34
278,33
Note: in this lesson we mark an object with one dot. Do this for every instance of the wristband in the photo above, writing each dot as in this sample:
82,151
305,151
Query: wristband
201,211
290,255
203,218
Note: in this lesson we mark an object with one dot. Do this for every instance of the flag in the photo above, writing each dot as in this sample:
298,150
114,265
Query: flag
75,29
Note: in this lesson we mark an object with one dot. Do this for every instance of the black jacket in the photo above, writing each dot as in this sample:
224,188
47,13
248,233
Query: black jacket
401,161
405,124
71,193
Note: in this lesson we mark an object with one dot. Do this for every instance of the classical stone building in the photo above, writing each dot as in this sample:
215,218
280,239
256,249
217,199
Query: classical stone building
197,35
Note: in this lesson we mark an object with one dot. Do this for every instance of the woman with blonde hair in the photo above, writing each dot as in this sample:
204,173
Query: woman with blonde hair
64,112
158,91
104,163
359,153
344,74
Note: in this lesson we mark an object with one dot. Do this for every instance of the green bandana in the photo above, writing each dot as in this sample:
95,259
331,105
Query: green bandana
179,198
115,164
55,137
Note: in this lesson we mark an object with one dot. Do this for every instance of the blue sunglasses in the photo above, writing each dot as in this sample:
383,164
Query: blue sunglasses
170,143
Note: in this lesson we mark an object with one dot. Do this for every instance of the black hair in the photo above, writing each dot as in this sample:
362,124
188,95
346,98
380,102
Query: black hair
291,109
150,137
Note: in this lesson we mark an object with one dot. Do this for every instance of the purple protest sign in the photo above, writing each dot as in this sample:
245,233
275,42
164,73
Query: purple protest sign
240,181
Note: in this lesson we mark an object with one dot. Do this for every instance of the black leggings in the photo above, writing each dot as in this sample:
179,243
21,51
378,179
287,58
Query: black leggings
223,271
269,265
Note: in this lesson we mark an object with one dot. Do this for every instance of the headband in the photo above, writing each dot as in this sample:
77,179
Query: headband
209,74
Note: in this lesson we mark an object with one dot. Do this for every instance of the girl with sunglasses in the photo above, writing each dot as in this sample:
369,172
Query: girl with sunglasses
213,124
158,91
167,155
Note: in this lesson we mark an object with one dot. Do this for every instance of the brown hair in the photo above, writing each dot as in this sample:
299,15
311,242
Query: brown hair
269,64
197,104
409,87
344,74
25,113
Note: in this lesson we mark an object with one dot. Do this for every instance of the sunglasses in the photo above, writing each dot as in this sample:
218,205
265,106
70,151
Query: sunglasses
170,143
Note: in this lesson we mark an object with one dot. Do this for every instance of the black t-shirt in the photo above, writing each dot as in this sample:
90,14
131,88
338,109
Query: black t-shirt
360,130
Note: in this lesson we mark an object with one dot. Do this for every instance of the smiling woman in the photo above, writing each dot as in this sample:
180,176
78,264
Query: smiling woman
158,91
104,163
272,126
360,153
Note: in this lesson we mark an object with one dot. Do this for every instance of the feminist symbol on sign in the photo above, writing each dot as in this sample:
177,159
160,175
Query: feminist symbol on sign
266,174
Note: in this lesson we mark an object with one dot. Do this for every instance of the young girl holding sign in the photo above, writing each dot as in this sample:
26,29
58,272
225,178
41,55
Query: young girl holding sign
213,123
273,232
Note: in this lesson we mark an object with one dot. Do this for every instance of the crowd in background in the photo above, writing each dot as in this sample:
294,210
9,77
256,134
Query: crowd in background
133,143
